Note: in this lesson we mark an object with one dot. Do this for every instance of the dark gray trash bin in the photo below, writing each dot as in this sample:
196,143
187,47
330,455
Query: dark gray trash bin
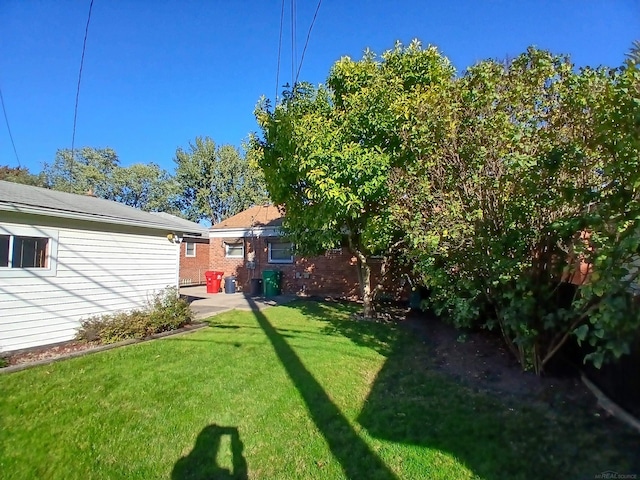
256,287
230,285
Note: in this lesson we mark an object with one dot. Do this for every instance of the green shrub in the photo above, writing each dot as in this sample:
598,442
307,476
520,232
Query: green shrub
165,312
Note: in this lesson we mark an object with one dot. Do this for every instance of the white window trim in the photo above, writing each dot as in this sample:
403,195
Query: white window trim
270,260
226,250
186,250
52,253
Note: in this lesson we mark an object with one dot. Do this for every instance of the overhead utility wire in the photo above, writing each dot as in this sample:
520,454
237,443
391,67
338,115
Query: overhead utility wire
6,119
315,15
75,111
279,53
293,44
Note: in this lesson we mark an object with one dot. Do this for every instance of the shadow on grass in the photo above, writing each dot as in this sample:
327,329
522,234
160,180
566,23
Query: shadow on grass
354,455
337,320
202,461
494,437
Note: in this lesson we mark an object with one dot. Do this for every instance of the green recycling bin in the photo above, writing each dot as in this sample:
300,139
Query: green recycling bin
271,280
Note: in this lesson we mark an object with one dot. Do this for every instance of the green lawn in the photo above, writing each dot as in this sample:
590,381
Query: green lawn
297,391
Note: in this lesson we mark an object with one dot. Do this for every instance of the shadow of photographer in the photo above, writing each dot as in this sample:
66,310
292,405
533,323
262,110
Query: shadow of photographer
202,461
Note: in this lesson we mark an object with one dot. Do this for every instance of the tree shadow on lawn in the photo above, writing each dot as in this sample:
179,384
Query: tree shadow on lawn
337,319
354,455
202,461
495,436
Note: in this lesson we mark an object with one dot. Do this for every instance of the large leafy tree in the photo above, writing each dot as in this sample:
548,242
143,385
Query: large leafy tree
85,170
20,175
633,55
216,182
512,171
327,152
98,171
146,186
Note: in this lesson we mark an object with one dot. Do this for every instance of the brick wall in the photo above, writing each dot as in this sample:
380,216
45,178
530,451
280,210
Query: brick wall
192,268
334,273
229,266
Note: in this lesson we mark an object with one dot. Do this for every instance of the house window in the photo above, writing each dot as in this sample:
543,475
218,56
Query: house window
281,252
234,250
4,250
23,252
189,249
26,249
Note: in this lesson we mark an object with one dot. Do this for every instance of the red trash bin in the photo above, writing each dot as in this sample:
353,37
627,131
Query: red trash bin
213,281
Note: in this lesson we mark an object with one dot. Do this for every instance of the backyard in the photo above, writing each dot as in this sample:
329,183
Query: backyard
296,391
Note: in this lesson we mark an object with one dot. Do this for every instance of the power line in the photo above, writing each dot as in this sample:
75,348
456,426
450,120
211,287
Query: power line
6,119
293,43
75,111
279,53
315,15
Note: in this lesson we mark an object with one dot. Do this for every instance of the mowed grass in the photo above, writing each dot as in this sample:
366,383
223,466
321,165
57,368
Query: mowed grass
298,391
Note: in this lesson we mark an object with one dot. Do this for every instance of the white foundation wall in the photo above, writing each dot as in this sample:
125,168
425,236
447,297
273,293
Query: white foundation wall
95,272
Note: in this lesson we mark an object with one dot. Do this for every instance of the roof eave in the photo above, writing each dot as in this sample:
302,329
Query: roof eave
32,210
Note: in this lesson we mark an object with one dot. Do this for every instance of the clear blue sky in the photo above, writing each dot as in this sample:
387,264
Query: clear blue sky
159,73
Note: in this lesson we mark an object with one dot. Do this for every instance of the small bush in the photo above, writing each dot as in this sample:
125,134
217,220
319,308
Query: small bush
165,312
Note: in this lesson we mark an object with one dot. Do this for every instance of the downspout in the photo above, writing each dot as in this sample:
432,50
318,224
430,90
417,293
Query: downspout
178,269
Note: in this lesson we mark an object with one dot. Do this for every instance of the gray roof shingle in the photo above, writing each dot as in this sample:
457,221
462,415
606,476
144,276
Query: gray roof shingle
16,197
187,224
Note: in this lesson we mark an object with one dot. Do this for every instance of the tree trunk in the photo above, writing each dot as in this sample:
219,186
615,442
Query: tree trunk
364,277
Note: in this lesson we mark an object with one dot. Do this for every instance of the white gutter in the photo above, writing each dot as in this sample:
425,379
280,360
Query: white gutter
245,232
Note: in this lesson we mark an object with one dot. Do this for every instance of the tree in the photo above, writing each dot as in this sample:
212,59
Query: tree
20,175
146,186
633,55
216,182
327,152
88,170
98,171
513,170
613,221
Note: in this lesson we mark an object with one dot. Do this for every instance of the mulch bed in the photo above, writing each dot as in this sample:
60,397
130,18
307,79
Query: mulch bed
49,353
59,351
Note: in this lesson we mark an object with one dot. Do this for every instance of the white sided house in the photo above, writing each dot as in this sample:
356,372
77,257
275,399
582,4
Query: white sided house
66,257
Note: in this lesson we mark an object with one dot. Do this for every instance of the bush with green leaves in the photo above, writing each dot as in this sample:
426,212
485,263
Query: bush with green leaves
166,311
513,171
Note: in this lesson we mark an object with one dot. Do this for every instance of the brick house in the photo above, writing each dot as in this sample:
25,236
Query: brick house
194,260
250,242
194,251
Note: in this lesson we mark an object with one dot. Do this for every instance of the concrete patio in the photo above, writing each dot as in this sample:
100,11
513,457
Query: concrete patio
205,304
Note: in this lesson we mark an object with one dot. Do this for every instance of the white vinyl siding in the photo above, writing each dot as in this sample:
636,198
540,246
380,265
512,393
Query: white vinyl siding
97,272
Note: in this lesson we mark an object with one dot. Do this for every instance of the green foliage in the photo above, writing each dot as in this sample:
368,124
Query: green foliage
165,312
20,175
89,170
217,181
144,186
4,362
327,151
513,173
633,55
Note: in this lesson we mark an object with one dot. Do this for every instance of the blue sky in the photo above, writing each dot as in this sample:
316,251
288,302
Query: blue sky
159,73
